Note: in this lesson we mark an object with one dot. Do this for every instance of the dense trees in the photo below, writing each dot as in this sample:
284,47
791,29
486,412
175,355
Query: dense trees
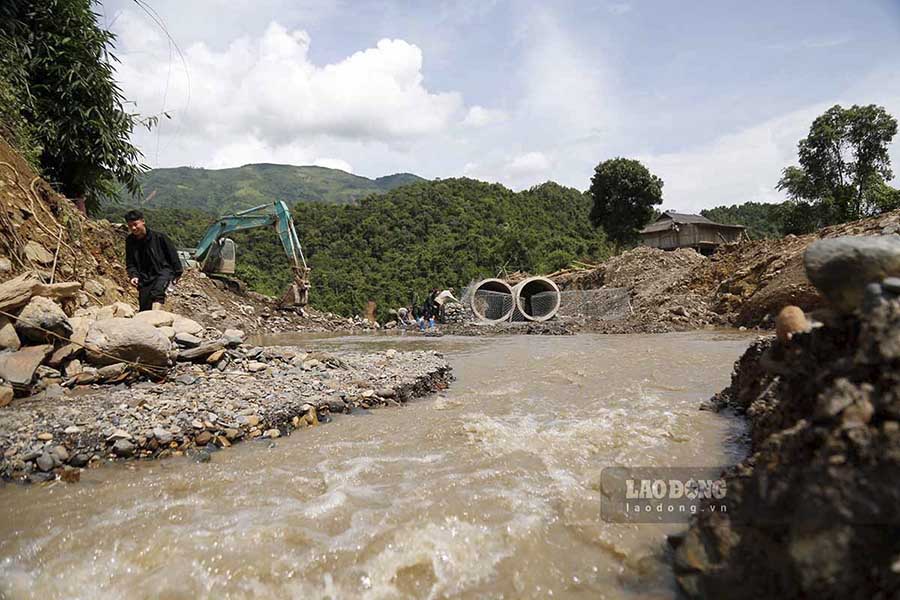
393,248
60,102
624,193
844,167
225,191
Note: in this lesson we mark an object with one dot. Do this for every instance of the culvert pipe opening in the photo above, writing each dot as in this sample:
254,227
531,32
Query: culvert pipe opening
492,300
537,298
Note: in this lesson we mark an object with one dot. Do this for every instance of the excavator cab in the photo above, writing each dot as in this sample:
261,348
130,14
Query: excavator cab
221,257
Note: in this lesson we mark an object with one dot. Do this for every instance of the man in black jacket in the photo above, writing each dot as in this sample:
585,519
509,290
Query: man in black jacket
151,259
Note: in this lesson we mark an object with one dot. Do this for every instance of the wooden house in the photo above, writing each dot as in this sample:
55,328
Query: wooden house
677,230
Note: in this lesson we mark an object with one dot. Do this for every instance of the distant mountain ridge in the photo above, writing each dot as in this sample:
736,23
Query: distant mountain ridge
220,191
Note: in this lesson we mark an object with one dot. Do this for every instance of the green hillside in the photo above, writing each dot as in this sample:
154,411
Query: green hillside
220,191
394,247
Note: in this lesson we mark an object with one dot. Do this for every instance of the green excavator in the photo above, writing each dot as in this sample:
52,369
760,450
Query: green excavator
215,254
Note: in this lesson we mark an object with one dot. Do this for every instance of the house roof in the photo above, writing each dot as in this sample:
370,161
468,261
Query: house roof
669,219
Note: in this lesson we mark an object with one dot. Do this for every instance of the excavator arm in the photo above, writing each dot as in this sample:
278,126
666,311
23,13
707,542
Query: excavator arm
209,251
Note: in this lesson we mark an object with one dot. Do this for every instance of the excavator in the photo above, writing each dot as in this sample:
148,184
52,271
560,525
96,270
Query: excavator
215,254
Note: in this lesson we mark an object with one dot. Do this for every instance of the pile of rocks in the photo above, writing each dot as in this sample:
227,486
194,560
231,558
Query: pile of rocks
46,344
262,393
813,511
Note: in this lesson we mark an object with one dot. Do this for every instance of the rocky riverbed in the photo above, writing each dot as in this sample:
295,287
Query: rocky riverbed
259,393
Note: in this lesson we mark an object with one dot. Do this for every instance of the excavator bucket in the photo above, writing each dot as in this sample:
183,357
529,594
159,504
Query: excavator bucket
297,295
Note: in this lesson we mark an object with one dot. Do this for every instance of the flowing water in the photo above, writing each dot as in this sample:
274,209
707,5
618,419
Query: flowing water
488,489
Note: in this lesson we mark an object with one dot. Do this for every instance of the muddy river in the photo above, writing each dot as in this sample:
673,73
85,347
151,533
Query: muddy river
490,489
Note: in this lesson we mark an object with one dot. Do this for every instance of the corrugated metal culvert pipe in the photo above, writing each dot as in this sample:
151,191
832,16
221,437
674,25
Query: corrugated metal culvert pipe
536,298
492,300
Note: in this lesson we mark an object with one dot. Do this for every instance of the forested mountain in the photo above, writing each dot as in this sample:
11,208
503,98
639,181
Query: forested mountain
394,247
222,191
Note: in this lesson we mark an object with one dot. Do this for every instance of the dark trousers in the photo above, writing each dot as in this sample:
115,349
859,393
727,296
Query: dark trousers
152,290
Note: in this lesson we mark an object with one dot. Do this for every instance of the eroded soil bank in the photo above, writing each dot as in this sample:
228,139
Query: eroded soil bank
814,510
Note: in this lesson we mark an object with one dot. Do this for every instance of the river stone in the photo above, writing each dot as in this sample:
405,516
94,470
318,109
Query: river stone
5,265
185,325
840,268
126,340
6,394
37,253
123,448
111,371
45,462
156,318
234,337
73,368
18,368
891,284
162,436
63,354
187,340
42,314
9,339
256,366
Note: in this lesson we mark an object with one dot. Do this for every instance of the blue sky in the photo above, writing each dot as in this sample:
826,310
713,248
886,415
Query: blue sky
711,95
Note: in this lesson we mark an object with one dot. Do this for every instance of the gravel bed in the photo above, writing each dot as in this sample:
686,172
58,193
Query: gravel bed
258,393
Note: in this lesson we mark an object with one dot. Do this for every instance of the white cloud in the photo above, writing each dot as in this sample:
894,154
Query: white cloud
528,163
333,163
262,96
478,116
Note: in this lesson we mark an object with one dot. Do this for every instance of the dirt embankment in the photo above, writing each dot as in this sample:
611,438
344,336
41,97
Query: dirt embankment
741,285
814,511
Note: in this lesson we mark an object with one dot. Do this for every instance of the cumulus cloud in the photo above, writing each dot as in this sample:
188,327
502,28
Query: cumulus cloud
479,116
265,94
528,163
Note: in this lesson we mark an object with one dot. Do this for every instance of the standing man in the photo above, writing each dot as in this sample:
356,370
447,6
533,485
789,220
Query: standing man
152,261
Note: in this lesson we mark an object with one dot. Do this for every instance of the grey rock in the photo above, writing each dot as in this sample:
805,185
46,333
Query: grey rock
840,268
38,317
891,284
162,436
45,461
111,371
123,448
80,460
187,340
186,379
873,297
126,339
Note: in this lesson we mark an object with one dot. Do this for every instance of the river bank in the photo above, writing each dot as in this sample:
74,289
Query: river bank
814,508
263,393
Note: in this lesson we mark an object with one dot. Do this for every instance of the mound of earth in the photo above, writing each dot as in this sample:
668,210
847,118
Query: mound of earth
743,284
814,511
41,231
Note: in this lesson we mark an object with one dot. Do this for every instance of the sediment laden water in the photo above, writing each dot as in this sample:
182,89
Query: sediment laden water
489,489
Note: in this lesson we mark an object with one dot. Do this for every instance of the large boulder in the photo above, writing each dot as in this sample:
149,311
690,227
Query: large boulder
18,368
842,267
38,317
185,325
156,318
126,340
